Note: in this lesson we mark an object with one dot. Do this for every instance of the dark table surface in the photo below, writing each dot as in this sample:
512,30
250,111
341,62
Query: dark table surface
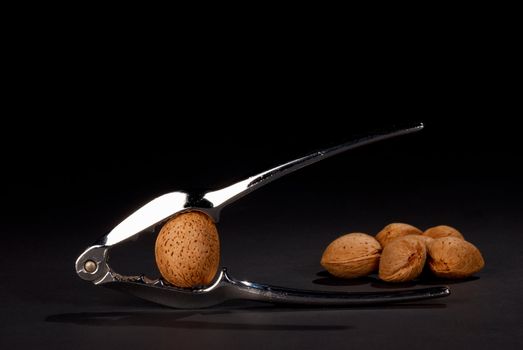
273,236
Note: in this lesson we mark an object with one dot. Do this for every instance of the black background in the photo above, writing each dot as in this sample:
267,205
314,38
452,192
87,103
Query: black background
102,114
75,182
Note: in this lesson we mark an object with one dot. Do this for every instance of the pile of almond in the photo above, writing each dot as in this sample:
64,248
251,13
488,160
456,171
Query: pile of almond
400,252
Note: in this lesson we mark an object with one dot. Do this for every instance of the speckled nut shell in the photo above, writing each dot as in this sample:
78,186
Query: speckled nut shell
451,257
403,259
396,230
352,255
442,231
188,250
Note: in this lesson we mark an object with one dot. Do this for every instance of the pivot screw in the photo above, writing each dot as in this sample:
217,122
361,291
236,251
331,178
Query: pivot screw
90,266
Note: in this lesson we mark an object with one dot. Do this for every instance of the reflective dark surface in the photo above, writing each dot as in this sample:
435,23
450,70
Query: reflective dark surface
464,178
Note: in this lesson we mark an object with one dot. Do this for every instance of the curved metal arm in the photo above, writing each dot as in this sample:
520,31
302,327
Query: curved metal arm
230,194
227,288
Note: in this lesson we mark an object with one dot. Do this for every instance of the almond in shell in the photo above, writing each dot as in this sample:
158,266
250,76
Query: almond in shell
352,255
442,231
403,259
396,230
451,257
188,250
